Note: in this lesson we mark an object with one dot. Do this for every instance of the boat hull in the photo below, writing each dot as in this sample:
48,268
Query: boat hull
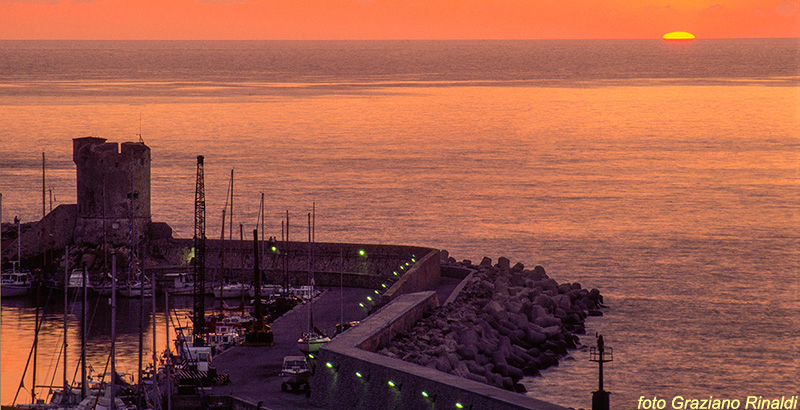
231,292
9,291
312,345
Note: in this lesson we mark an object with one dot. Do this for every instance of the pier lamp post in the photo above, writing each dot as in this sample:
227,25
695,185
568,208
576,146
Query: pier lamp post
600,354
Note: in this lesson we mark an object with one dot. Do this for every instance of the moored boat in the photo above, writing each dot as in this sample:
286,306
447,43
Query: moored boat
295,373
233,290
311,342
75,283
14,283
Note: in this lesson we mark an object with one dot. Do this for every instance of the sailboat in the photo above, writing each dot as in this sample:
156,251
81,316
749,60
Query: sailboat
108,398
16,282
135,288
312,340
230,289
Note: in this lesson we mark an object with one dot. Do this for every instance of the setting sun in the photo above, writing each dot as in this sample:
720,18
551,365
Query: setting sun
679,35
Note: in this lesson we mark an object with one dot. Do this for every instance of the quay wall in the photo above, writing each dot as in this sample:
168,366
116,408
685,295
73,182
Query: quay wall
353,351
333,263
423,275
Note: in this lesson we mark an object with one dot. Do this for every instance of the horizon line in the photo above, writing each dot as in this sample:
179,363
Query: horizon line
394,39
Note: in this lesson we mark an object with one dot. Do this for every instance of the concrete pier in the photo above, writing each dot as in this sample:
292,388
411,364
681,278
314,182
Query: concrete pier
254,371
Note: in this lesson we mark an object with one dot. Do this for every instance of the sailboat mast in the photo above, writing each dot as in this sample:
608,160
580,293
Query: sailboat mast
155,350
19,243
1,232
84,329
262,227
66,308
257,282
130,229
35,340
44,224
38,286
286,256
140,393
113,328
310,281
222,261
168,353
230,233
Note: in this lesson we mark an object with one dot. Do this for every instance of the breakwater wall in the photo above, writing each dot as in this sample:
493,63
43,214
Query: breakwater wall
354,265
351,375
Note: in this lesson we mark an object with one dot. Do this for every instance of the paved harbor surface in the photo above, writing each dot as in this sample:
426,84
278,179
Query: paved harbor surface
255,371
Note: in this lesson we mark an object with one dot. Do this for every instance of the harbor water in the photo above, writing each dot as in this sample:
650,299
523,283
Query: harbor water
664,174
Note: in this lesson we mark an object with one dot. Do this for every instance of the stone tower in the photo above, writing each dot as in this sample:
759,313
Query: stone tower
113,180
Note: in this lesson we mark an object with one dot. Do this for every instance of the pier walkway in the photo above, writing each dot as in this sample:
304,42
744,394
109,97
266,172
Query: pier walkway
255,371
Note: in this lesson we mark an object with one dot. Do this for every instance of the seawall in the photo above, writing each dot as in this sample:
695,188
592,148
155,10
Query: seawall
351,375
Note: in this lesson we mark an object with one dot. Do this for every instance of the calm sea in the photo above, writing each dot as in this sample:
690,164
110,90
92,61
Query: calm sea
665,174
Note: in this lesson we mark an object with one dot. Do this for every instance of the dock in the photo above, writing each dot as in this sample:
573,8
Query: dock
255,371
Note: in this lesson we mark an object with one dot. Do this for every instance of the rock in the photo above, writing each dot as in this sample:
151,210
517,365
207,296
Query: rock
444,255
594,312
533,336
520,388
467,337
595,296
467,352
513,306
518,267
493,308
552,331
442,364
501,369
534,352
545,302
483,360
508,383
475,368
486,262
539,273
461,369
503,263
515,373
546,360
563,301
497,359
564,288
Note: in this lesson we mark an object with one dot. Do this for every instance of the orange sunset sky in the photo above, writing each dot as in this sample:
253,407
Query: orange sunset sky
394,19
